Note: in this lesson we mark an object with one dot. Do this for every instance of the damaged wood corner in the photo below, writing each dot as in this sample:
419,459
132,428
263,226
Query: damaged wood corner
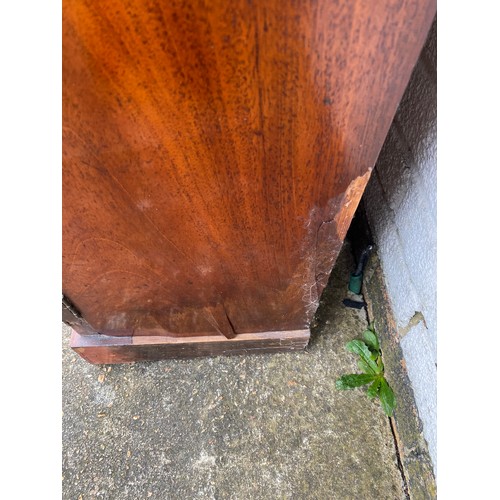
218,317
73,318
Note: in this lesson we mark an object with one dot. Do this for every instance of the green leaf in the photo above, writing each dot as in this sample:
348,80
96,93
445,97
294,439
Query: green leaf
353,380
387,397
374,388
365,368
360,348
380,365
371,340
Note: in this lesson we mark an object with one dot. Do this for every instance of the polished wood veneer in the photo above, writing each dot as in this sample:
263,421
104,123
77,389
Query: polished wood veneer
214,154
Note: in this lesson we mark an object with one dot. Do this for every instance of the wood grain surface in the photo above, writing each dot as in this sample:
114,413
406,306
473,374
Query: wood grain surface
214,153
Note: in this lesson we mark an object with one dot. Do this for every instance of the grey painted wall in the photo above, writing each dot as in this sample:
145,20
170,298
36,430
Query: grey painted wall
400,201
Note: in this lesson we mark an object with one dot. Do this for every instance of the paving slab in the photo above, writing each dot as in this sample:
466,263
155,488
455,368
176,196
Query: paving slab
268,426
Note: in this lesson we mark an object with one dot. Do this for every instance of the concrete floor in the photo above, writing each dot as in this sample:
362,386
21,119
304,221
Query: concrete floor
269,426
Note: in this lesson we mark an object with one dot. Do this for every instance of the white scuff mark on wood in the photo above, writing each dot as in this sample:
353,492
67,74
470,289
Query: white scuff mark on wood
204,270
117,321
144,205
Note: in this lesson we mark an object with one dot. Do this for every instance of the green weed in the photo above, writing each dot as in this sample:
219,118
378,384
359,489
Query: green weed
370,363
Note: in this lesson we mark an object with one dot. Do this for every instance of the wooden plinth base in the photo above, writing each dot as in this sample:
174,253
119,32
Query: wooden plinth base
103,349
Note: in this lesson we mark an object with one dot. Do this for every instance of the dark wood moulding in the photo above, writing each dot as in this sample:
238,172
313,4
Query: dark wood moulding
103,349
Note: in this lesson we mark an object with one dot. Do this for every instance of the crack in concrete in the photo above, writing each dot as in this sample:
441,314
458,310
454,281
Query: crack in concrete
392,425
417,318
398,458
